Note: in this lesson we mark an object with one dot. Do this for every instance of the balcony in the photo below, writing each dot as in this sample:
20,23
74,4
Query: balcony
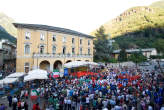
38,55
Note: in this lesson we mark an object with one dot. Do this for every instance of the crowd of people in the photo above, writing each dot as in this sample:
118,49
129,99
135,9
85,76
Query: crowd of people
7,69
114,89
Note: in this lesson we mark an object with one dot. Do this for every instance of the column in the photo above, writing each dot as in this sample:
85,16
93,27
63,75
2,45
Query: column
51,67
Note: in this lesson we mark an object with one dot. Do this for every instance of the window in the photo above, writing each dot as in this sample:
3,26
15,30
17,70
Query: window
81,50
80,41
73,40
26,67
88,42
41,49
64,39
27,35
89,51
41,36
73,50
53,49
27,49
64,50
54,38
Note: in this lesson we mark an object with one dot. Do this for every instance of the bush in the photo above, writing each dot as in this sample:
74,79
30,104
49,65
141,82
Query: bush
112,60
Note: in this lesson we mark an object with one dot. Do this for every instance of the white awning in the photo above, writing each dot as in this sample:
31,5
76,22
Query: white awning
75,64
78,64
8,80
36,74
16,75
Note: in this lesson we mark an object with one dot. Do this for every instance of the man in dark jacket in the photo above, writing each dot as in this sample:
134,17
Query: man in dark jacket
9,97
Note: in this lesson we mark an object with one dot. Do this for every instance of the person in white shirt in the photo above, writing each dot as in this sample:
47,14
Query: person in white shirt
87,100
69,103
14,100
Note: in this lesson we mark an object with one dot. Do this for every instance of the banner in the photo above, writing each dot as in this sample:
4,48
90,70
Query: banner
66,72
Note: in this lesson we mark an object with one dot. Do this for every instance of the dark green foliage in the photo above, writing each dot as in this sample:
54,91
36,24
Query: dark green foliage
159,45
156,57
112,60
100,34
122,56
146,38
137,57
102,47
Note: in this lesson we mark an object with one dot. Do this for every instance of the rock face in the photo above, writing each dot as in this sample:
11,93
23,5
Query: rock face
6,25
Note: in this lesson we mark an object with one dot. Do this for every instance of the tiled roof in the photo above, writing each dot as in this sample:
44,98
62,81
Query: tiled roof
51,28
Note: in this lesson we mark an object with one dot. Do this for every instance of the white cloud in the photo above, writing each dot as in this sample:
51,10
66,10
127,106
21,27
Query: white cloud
80,15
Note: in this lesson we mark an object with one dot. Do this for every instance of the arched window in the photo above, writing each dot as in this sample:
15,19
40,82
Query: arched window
53,49
42,49
27,49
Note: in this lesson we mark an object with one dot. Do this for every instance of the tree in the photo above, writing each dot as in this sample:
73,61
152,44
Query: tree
100,34
122,56
159,45
102,47
137,57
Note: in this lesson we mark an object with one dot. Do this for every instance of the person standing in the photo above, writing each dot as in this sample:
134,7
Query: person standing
36,107
14,100
3,107
9,97
25,106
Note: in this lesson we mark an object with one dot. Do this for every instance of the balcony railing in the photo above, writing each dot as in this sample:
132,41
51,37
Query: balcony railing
46,55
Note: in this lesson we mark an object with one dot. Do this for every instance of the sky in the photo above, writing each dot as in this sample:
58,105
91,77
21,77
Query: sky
80,15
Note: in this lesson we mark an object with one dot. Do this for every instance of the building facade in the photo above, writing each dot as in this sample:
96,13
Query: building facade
7,51
49,48
146,52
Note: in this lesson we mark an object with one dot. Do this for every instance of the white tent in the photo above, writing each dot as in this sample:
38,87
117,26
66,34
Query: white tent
92,63
16,75
8,80
36,74
78,63
75,64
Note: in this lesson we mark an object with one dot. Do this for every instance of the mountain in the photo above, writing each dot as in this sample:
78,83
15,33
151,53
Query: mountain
6,23
134,19
158,4
138,27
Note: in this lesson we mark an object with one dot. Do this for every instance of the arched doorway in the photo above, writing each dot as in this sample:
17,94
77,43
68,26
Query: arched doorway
45,65
87,60
68,61
58,65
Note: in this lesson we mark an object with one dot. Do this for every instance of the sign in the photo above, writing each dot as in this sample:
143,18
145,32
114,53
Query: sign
66,72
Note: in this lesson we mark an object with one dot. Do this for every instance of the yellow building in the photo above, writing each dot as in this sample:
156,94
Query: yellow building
49,48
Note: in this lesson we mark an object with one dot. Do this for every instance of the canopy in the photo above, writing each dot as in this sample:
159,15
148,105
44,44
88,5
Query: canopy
8,80
36,74
78,63
92,63
16,75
